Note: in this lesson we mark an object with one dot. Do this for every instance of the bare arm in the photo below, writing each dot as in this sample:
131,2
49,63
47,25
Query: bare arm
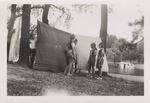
103,53
73,50
95,52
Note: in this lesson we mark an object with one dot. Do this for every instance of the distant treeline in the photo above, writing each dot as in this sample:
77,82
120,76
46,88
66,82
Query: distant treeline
122,50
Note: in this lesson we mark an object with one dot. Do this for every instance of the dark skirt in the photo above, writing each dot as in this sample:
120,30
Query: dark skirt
91,61
99,63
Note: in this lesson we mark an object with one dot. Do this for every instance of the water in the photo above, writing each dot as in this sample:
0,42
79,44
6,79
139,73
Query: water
126,71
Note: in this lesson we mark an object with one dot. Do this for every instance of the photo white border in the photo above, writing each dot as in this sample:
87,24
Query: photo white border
72,99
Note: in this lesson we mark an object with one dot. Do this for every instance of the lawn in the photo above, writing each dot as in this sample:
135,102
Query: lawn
22,81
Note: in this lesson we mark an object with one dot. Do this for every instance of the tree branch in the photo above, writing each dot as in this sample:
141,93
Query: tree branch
37,7
59,9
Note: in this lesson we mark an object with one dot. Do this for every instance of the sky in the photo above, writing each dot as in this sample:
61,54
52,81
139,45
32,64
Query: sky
118,21
88,24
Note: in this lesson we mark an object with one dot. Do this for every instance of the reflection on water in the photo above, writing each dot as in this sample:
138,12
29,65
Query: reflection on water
126,71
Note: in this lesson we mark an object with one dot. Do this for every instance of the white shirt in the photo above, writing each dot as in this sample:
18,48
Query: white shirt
33,44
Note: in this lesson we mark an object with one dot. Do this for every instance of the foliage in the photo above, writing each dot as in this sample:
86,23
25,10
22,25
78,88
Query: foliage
120,49
59,15
114,54
115,47
111,40
84,7
36,10
138,32
110,8
140,51
32,28
129,51
90,7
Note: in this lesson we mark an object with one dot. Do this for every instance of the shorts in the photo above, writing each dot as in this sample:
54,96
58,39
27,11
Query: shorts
70,57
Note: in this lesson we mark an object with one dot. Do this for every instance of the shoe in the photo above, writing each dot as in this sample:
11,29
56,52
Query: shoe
69,74
92,76
65,73
99,78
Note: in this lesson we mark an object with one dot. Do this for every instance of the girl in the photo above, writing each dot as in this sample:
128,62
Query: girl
100,60
91,60
71,55
32,52
75,64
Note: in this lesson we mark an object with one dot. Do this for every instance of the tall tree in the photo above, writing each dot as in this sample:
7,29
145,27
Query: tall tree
103,30
84,7
45,14
24,49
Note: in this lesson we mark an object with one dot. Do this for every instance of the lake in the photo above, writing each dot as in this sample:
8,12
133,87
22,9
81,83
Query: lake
126,71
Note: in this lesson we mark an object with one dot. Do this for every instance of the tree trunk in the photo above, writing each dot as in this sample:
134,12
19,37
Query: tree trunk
24,48
45,14
103,30
10,26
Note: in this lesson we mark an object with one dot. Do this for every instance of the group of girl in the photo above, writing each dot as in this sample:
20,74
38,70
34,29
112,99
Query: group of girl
72,57
92,59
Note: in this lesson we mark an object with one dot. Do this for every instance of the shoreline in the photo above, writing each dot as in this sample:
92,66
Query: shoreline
128,77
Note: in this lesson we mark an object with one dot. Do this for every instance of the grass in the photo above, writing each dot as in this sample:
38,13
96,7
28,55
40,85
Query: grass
22,81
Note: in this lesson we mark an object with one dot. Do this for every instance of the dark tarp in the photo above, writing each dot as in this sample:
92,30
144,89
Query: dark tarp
51,44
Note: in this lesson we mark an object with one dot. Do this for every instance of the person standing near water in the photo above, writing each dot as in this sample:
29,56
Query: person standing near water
100,60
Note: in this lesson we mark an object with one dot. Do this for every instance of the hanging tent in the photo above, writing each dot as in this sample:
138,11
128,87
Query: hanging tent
15,43
51,44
